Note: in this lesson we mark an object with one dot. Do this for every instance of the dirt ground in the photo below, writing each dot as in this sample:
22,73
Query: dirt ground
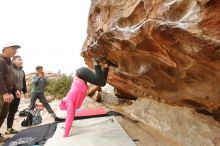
139,133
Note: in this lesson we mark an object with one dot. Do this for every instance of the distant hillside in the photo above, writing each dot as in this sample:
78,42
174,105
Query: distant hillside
51,75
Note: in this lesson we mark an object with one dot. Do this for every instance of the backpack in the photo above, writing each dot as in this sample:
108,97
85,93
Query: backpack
28,120
23,113
37,118
32,118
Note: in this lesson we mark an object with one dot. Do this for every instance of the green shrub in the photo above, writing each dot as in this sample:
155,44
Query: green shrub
59,87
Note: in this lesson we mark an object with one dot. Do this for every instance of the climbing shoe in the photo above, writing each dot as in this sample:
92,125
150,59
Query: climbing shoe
11,131
98,59
3,139
110,63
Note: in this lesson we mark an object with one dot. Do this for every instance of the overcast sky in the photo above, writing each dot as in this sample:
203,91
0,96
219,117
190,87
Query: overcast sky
51,32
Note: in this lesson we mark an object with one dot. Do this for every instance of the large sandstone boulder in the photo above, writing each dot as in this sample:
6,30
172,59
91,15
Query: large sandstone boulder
166,48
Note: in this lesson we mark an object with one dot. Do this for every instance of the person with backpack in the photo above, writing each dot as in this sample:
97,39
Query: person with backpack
40,81
79,88
20,81
7,82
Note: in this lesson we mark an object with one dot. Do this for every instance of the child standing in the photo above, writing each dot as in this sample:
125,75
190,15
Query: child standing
78,91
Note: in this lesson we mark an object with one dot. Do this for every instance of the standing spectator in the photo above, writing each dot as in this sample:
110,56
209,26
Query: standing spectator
40,80
20,81
7,83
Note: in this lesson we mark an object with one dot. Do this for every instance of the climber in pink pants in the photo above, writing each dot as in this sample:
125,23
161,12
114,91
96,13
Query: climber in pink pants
79,88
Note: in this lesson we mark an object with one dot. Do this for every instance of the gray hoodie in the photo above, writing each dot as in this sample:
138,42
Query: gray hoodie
19,77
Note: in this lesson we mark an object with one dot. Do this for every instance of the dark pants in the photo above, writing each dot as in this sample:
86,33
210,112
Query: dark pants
13,108
98,78
3,110
43,100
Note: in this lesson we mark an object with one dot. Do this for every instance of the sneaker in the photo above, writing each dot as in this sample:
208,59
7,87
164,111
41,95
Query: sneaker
3,139
11,131
98,59
110,63
53,115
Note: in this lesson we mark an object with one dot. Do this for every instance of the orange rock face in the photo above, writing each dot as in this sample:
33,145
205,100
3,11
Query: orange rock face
168,49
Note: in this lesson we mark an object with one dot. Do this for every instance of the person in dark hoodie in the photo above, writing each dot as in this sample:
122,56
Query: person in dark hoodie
7,82
20,81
